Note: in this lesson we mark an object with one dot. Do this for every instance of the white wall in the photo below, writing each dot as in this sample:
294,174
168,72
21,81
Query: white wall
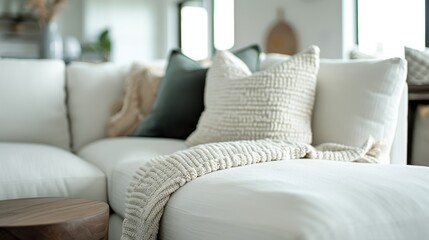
349,35
140,30
134,26
168,32
70,20
316,22
144,30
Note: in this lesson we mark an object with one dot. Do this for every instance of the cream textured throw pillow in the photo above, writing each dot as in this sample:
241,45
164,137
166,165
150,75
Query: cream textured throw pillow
276,103
141,87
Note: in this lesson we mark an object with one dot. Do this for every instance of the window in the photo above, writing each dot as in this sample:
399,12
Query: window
205,25
385,26
223,24
194,29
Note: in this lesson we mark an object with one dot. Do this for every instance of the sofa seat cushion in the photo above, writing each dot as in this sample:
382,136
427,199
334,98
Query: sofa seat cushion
34,170
302,199
119,159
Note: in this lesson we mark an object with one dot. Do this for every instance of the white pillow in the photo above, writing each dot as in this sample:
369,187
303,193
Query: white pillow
357,99
32,102
276,103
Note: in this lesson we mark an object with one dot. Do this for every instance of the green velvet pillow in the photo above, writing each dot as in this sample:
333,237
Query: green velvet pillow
180,99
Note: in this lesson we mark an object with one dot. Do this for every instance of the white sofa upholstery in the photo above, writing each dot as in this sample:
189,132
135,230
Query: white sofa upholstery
92,92
119,158
35,157
35,170
39,127
32,96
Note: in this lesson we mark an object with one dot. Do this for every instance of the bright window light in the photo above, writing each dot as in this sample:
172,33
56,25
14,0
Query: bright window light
386,26
413,23
223,24
194,34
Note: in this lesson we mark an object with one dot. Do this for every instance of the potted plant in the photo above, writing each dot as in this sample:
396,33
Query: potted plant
102,47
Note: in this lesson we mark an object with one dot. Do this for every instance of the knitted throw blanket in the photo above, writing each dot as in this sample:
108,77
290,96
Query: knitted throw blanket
154,182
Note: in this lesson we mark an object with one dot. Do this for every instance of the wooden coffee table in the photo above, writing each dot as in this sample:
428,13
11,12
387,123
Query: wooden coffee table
53,218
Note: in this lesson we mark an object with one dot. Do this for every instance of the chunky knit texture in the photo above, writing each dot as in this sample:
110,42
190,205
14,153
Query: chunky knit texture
276,103
154,182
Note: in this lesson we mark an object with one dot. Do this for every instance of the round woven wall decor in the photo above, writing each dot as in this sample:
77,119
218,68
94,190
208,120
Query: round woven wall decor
281,37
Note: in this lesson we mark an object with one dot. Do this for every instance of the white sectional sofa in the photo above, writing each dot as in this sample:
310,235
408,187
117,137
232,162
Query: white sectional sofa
53,140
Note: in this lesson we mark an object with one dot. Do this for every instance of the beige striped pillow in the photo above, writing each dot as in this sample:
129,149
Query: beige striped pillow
276,103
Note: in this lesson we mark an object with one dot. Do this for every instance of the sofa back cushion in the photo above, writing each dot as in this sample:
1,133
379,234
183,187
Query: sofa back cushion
93,90
32,102
356,99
